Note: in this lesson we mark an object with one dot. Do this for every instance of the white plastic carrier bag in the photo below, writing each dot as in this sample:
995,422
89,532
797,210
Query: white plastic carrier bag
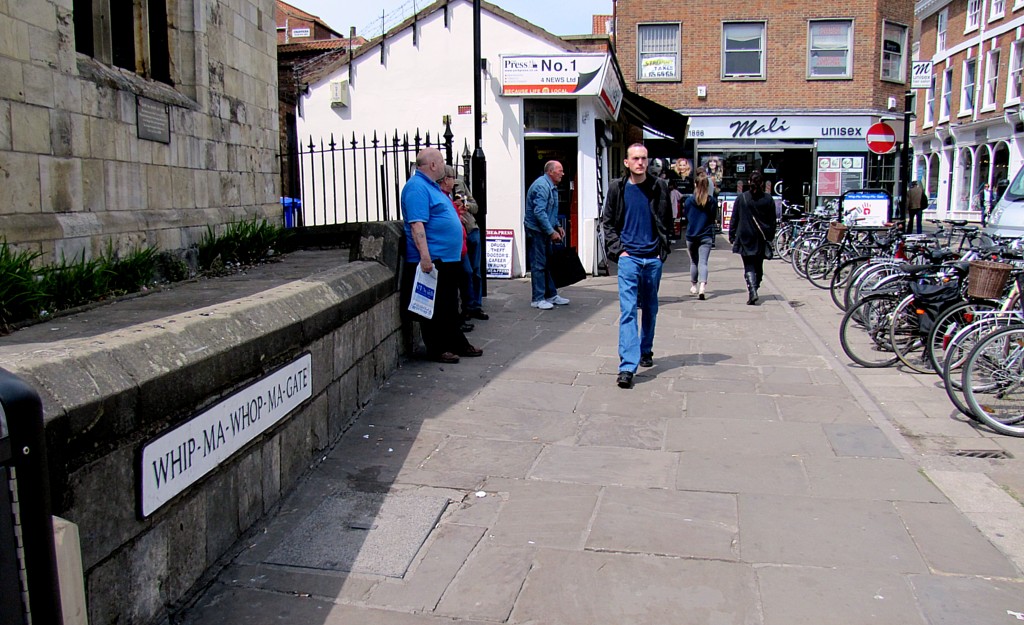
424,292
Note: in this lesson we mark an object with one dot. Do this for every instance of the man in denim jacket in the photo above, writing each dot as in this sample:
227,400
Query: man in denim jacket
542,230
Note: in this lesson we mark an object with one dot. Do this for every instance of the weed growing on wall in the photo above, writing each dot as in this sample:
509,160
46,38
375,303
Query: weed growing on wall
29,292
242,242
21,295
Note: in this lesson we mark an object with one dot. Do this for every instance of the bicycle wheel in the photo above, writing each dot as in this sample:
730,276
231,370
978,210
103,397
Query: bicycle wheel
864,331
956,353
993,381
801,249
906,339
782,242
868,281
841,279
948,323
822,263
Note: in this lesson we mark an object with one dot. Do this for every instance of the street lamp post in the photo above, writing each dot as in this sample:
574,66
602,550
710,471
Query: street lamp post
908,113
479,170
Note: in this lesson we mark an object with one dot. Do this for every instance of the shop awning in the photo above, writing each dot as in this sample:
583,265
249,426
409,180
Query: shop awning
654,117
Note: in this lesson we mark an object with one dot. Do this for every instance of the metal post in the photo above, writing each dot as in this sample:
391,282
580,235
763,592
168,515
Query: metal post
22,408
908,102
479,171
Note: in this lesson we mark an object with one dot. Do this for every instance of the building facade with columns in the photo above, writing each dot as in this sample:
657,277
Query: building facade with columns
970,121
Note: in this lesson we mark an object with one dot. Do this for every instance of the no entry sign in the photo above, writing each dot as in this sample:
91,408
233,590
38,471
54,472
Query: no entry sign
881,138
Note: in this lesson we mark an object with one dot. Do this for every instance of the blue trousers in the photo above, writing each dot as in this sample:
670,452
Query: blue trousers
543,285
639,279
700,250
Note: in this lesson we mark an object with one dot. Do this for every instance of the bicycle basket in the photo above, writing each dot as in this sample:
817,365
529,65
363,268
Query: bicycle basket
836,232
987,279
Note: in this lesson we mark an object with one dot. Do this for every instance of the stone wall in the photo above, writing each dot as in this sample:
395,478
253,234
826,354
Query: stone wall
105,397
75,174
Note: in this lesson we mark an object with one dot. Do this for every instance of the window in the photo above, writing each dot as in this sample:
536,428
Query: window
829,44
894,44
940,30
657,52
1014,86
743,50
130,35
947,95
967,86
929,103
991,79
973,14
996,10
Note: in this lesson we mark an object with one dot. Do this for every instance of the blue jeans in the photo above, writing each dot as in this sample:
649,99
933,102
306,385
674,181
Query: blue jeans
639,279
543,285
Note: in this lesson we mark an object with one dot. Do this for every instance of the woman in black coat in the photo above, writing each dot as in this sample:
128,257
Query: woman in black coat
751,229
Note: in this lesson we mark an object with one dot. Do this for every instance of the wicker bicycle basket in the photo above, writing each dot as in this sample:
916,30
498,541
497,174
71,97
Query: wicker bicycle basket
836,232
987,279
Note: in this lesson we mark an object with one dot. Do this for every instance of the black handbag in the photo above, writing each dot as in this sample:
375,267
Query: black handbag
565,266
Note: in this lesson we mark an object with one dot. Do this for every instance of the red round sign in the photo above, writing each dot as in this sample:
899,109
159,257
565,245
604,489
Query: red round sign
881,138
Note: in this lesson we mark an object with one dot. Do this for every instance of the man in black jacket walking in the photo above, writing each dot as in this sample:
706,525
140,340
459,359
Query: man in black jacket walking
636,221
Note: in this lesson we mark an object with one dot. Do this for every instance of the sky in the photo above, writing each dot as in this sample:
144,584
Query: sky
571,17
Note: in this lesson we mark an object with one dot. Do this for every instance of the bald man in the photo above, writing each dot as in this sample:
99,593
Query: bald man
433,240
542,229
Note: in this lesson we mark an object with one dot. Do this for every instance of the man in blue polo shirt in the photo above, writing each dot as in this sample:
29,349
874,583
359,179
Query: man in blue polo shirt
433,240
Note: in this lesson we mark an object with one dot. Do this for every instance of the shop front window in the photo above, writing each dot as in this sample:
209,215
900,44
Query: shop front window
966,177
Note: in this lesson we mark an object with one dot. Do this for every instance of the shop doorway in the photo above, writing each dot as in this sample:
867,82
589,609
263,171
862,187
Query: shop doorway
564,150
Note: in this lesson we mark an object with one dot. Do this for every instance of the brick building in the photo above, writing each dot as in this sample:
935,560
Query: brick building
787,87
295,25
970,129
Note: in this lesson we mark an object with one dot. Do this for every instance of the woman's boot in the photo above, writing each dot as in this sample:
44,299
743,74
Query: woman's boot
751,287
700,291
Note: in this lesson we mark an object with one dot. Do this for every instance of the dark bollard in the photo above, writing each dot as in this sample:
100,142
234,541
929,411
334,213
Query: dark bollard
29,587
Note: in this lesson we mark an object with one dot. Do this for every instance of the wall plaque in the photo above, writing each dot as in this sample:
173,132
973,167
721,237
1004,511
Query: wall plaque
154,120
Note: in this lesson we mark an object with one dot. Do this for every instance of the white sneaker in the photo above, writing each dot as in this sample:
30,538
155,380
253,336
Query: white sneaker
542,304
693,288
558,300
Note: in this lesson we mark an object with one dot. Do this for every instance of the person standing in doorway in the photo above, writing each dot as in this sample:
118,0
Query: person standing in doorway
542,230
917,201
636,221
701,211
751,228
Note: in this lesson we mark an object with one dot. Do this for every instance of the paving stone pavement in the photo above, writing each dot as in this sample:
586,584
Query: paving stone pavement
752,476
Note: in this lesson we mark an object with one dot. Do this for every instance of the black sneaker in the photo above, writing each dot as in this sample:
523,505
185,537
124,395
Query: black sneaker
625,379
646,360
476,313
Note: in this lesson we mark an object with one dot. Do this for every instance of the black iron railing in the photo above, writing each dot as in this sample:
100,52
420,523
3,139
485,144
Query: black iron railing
355,180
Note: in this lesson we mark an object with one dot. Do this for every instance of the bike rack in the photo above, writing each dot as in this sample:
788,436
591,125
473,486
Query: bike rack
29,586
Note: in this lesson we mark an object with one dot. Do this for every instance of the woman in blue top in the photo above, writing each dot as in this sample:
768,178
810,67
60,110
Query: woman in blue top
701,210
